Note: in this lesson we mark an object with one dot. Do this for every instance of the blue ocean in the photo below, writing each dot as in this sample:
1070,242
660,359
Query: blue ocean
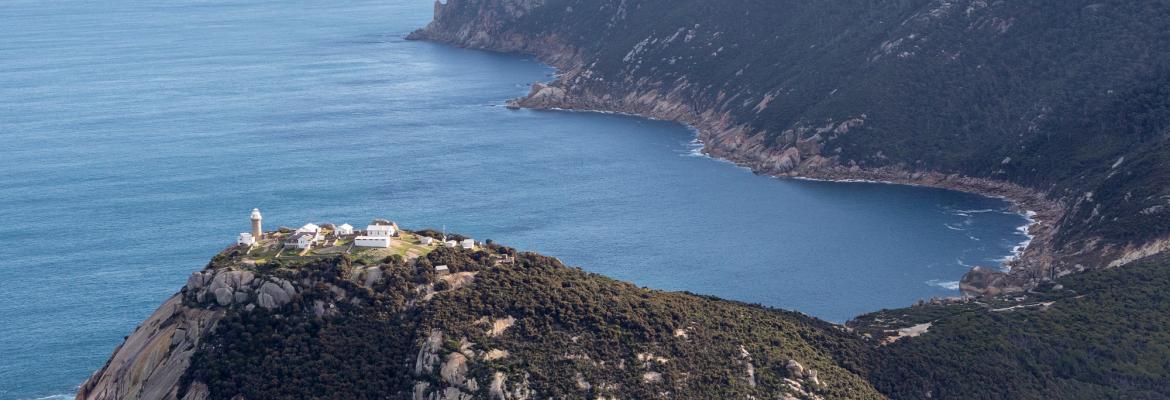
136,136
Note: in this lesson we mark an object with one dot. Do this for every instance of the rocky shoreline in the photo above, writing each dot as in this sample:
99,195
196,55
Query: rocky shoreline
723,138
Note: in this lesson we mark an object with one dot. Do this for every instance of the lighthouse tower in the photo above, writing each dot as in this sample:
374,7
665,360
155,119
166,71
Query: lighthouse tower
257,231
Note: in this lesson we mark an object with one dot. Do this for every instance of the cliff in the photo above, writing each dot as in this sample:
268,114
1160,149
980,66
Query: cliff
150,362
1060,106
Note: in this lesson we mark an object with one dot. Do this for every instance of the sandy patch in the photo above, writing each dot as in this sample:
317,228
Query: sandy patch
912,331
652,377
647,357
495,354
501,325
1042,306
458,279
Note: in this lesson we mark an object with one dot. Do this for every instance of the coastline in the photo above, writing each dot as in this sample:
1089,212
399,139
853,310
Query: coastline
723,138
1020,205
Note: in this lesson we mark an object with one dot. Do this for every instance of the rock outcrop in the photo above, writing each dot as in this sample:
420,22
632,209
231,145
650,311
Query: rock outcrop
149,364
986,282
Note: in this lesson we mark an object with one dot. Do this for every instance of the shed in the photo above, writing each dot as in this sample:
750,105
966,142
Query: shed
245,239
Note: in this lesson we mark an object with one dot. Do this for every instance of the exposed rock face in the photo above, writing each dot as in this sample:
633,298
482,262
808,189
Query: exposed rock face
428,354
230,287
455,369
795,369
452,373
987,282
150,362
500,390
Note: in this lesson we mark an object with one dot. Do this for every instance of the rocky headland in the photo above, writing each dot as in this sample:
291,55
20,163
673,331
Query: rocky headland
491,322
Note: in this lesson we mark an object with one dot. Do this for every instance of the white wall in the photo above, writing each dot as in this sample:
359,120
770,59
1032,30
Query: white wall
372,241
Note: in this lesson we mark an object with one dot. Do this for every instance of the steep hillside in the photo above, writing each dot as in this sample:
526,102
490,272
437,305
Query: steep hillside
332,327
1063,106
508,325
1104,334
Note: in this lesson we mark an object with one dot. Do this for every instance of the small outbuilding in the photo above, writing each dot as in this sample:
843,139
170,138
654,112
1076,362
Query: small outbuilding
426,240
467,244
442,270
343,230
246,239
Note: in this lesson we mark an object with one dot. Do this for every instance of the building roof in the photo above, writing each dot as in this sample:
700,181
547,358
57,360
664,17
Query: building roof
345,226
309,228
441,268
297,236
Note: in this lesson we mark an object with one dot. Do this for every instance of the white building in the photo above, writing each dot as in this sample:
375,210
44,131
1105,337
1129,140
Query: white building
302,240
344,229
467,244
442,270
309,228
426,240
450,243
372,241
246,239
380,230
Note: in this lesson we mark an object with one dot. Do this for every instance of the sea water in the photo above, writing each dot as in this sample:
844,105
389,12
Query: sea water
136,136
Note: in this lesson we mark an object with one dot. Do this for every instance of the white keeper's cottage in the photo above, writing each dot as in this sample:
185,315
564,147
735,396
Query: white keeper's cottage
343,230
377,234
309,228
380,230
302,240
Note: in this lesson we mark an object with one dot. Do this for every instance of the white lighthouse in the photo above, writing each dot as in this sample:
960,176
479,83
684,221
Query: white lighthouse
257,230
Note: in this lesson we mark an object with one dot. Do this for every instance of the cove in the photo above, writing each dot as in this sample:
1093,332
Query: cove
138,135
